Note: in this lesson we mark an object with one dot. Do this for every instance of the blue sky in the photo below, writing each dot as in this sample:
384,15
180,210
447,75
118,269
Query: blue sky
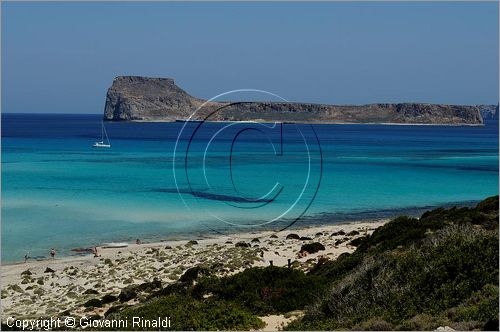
62,57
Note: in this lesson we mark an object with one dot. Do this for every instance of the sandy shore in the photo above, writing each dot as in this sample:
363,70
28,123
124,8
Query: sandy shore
32,290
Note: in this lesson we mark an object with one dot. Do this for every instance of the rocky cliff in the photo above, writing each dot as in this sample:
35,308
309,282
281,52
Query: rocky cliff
134,98
488,112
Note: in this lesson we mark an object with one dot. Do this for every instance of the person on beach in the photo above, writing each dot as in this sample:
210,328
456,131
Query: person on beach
95,252
52,253
137,241
26,257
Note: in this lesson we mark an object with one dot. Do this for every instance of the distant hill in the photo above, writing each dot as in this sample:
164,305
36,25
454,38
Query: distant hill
135,98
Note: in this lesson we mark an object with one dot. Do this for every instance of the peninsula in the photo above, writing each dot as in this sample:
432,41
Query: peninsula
136,98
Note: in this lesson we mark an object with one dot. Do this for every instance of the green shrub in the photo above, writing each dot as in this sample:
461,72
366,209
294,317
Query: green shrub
415,274
481,306
333,270
194,273
264,290
108,298
93,303
187,313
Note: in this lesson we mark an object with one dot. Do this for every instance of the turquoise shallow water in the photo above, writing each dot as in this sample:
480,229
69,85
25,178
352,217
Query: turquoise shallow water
59,192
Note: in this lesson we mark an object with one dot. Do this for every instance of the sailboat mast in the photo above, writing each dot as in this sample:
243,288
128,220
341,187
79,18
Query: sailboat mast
105,133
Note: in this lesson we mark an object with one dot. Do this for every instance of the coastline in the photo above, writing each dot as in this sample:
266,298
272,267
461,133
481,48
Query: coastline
243,236
309,123
314,221
55,285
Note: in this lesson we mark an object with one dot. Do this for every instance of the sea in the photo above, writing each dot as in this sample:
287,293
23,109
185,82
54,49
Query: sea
189,180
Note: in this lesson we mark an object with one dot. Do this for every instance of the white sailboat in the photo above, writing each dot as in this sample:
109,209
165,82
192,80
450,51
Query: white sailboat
101,143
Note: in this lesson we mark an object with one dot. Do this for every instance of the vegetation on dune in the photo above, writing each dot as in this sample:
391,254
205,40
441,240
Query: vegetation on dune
410,274
264,291
204,302
189,314
415,274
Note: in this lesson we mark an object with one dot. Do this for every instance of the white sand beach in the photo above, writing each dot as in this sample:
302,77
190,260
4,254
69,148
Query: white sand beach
32,290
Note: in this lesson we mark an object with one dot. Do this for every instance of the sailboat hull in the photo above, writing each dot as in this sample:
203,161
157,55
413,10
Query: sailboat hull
101,145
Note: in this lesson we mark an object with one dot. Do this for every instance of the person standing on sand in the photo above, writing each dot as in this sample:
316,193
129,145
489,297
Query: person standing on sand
95,252
26,257
52,253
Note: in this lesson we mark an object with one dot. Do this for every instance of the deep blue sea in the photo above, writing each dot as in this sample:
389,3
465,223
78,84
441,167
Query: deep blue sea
170,180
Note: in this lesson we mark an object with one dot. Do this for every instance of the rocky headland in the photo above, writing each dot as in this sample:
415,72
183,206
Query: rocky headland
135,98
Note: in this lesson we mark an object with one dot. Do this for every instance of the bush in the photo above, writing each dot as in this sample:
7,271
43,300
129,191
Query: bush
481,306
127,294
333,270
93,303
108,298
194,273
191,314
264,291
415,274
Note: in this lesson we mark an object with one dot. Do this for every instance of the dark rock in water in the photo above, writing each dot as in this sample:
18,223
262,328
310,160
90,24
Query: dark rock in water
83,250
194,273
95,303
312,247
305,238
339,233
352,233
255,240
242,245
127,294
152,99
274,236
49,270
192,243
210,196
168,247
108,298
26,273
91,291
293,236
